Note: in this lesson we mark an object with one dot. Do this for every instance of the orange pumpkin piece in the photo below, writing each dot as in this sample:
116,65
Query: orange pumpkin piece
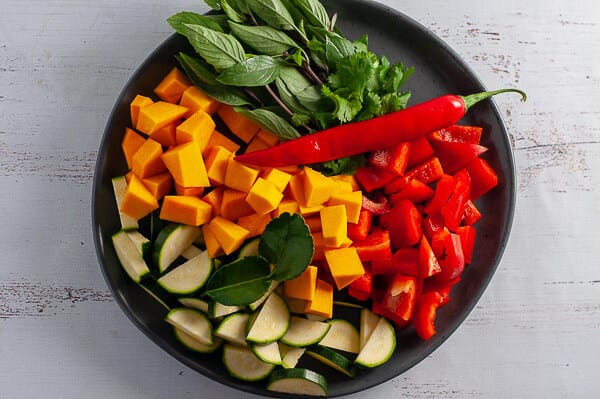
314,223
218,138
254,223
303,286
138,201
159,185
147,160
239,176
345,266
234,205
186,164
172,87
269,138
263,197
166,135
189,191
185,209
198,128
212,245
136,104
214,198
195,99
322,303
216,162
229,235
130,143
278,177
239,125
158,115
287,205
256,144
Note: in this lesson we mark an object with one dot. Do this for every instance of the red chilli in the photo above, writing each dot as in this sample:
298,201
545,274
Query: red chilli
373,134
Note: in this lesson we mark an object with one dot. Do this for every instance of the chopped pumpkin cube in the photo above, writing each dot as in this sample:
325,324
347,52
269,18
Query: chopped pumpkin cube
234,205
256,144
166,135
314,223
136,104
346,182
195,99
296,187
130,143
198,128
147,160
317,187
322,303
216,162
307,211
334,225
268,137
296,306
159,114
287,205
319,244
212,245
239,176
159,185
351,200
279,178
263,197
186,164
171,88
137,201
239,125
303,286
229,235
218,138
345,265
214,198
254,223
189,191
185,209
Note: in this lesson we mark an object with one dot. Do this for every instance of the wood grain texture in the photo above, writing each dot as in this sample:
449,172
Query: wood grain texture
535,332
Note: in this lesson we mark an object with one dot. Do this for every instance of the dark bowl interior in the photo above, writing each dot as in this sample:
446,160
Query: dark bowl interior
438,70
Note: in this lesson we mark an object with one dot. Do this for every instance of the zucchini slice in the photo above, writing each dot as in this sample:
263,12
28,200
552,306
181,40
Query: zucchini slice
130,257
170,243
141,242
379,347
256,304
119,185
243,364
342,335
332,359
268,353
195,303
194,345
271,322
217,309
192,322
290,355
250,248
368,322
233,328
304,332
191,252
188,277
298,381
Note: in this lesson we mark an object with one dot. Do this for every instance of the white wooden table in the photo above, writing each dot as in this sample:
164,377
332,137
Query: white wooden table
536,331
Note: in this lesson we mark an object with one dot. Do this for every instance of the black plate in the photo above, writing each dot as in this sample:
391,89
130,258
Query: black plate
438,71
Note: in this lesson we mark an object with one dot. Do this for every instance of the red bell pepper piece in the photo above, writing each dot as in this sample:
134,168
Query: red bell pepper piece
392,159
362,287
452,259
369,135
376,246
459,134
432,224
471,214
443,190
379,309
371,178
467,236
404,261
359,231
483,177
420,151
377,206
452,211
405,225
425,314
400,296
428,263
426,172
415,191
454,156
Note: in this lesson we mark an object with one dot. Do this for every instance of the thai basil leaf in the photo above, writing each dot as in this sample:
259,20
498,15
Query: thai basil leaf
256,71
288,97
286,243
206,81
214,4
314,12
271,122
178,20
231,12
241,6
303,91
221,20
263,39
221,50
273,13
337,47
240,282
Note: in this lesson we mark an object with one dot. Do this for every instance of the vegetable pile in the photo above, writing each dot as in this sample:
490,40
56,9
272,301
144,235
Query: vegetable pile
254,210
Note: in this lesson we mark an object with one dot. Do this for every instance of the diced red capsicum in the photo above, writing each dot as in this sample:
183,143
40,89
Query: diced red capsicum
426,172
467,236
420,151
405,224
443,190
428,263
376,246
414,190
371,178
483,177
359,231
448,250
400,296
459,134
362,287
392,159
454,155
425,314
471,213
453,210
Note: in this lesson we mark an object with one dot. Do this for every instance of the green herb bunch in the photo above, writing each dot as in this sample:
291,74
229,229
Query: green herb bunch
285,65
